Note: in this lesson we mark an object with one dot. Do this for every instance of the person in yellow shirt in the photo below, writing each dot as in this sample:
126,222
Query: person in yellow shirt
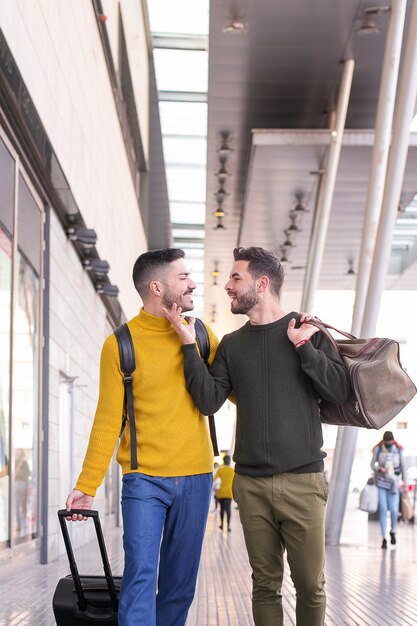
216,485
224,494
165,501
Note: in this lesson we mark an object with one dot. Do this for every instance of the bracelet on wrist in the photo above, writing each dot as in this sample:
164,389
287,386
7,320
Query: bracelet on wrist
301,343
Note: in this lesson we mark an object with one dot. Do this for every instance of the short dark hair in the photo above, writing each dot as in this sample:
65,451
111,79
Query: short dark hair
262,263
388,436
148,266
226,459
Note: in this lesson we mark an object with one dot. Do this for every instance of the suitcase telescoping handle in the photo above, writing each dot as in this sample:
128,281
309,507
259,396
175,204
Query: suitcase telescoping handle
62,514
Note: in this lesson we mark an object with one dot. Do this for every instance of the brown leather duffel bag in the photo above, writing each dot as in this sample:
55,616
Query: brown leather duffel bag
380,387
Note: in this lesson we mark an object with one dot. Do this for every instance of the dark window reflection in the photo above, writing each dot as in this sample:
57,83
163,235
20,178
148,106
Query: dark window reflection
7,165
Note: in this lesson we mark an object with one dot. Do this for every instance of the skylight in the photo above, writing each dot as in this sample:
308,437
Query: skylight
180,31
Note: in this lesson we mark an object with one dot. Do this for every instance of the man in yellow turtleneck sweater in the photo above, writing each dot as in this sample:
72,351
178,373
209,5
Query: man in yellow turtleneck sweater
165,502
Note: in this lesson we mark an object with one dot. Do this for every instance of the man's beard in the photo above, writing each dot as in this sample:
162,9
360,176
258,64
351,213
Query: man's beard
169,299
245,302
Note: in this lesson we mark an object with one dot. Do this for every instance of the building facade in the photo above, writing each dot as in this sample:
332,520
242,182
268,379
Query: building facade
75,88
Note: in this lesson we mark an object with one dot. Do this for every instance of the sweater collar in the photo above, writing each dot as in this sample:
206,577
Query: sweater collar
152,322
283,321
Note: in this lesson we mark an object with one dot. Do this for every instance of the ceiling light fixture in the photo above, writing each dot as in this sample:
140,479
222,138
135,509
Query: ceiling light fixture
377,10
224,149
284,259
236,26
219,225
300,207
351,271
86,236
220,194
215,273
96,265
107,290
288,243
368,27
219,212
222,173
293,228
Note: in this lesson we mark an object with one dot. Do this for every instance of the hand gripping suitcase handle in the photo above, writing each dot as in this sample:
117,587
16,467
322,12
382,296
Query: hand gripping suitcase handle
62,515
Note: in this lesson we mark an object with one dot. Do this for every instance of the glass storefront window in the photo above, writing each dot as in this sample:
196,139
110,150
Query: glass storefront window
21,233
5,302
25,403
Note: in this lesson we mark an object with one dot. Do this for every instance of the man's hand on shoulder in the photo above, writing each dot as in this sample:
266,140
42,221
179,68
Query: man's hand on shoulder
78,500
186,332
305,332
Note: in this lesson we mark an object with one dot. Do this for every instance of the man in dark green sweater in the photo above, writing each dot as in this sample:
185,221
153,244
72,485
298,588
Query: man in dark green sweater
278,367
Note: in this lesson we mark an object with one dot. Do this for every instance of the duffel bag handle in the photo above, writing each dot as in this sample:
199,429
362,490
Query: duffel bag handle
324,329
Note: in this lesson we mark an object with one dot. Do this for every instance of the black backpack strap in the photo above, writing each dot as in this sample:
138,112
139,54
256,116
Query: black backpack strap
213,436
203,342
128,366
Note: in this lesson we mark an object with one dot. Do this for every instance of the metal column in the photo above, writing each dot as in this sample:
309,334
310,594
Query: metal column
321,221
383,128
395,174
346,437
339,484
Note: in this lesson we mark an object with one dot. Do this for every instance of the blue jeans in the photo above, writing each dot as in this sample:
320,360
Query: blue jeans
388,502
164,520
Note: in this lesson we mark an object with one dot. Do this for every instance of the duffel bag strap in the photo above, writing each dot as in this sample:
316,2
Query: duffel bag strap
324,329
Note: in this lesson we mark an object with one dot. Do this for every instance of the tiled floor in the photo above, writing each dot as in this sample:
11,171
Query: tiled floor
366,585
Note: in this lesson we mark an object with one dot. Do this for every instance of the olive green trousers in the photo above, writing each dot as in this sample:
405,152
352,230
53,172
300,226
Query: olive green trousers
282,513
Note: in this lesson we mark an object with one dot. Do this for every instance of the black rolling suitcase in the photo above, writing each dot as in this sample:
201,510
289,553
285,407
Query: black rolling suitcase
86,599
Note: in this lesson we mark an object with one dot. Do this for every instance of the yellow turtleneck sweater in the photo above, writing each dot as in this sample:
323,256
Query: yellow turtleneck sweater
172,434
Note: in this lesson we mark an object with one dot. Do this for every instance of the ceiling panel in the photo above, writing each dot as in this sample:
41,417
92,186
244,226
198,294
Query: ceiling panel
284,73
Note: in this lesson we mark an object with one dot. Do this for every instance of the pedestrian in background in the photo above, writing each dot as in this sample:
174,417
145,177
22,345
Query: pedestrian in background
216,485
224,494
387,463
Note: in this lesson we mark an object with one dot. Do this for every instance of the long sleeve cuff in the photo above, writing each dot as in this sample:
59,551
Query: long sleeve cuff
306,352
191,354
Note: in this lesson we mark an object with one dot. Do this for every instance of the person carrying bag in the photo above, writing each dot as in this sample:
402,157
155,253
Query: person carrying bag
387,463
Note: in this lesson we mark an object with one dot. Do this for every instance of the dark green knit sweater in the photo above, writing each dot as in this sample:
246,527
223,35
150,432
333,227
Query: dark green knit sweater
277,389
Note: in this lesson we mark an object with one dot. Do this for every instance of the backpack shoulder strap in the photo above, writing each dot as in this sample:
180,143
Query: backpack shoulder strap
128,366
203,342
126,350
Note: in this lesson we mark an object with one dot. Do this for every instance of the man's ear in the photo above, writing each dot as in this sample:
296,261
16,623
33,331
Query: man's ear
155,287
263,283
